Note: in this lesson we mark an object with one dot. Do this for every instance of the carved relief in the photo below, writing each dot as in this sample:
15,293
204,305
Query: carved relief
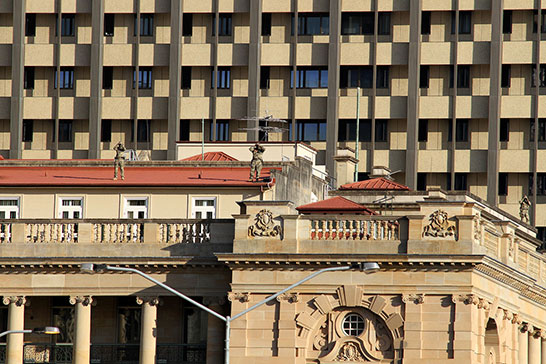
264,225
439,226
84,300
416,298
289,297
239,296
349,352
478,229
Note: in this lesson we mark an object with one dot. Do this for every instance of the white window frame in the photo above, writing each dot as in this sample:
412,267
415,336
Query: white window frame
72,208
203,209
127,207
8,209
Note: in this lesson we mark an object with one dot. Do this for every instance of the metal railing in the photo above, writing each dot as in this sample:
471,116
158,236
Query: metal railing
115,353
181,354
47,353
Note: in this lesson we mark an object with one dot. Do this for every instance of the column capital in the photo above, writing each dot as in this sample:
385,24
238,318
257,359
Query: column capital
289,297
152,301
17,300
84,300
416,298
239,296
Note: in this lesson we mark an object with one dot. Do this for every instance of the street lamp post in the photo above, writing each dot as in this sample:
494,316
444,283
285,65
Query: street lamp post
366,267
48,330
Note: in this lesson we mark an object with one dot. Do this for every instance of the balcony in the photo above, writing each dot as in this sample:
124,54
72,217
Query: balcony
160,238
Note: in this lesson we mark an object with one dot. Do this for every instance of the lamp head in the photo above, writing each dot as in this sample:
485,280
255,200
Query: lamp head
366,267
48,330
92,268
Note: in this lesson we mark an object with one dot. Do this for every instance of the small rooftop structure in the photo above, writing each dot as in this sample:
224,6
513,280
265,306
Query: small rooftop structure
375,184
211,157
335,205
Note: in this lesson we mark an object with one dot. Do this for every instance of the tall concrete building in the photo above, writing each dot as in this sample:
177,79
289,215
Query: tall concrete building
450,90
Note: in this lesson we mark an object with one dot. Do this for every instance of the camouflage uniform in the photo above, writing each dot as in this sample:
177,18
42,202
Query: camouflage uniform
257,161
119,161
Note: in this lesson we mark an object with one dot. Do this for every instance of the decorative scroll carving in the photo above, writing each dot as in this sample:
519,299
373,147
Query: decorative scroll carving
17,300
264,225
478,229
416,298
349,352
289,297
239,296
439,226
152,301
84,300
321,338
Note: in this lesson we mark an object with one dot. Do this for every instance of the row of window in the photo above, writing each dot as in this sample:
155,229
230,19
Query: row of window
134,208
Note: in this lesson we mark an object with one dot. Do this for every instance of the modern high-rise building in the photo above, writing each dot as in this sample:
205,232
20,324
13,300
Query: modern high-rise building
450,91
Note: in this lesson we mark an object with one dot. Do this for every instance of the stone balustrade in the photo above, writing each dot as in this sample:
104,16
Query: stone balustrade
375,228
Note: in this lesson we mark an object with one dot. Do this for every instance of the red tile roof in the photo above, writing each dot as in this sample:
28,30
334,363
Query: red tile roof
375,184
336,205
134,176
212,157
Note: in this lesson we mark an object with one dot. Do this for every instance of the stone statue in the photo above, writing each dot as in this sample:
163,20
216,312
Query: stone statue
119,161
524,205
257,161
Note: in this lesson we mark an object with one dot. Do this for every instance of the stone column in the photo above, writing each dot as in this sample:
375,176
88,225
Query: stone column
523,344
148,329
215,331
534,347
16,321
82,337
543,347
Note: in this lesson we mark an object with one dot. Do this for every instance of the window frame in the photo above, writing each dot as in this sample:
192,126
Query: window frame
222,131
356,76
30,24
203,209
66,78
145,78
305,28
107,77
106,132
384,25
187,30
462,130
381,130
365,21
66,135
68,25
8,209
353,328
127,208
349,130
422,130
426,22
29,77
185,77
109,24
27,134
70,209
321,130
225,25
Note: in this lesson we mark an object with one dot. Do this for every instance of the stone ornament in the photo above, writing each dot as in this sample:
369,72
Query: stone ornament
439,226
524,206
239,296
416,298
152,301
264,225
84,300
349,352
17,300
289,297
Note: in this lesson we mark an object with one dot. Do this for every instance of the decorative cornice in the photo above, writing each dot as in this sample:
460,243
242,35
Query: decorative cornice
239,296
83,300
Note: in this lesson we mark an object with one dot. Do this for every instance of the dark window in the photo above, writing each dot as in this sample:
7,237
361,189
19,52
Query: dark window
460,182
313,24
109,24
451,76
184,130
187,25
381,133
541,235
224,78
67,25
465,22
505,75
384,24
65,131
450,131
264,77
28,130
146,25
461,133
463,76
382,77
543,21
503,184
144,78
541,130
421,181
425,22
424,75
311,130
106,130
541,76
448,181
222,131
29,78
266,24
224,27
507,22
541,183
185,83
307,77
107,78
143,131
66,79
356,76
423,130
347,130
30,25
504,130
358,23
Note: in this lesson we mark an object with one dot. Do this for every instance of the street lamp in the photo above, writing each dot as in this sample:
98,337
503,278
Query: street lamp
366,267
48,330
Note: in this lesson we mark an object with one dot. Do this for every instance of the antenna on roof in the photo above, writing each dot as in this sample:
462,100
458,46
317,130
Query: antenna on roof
265,128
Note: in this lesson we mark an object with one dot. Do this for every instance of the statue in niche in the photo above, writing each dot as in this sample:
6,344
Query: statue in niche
524,206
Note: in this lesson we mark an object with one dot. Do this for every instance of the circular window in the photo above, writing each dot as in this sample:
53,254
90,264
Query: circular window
353,324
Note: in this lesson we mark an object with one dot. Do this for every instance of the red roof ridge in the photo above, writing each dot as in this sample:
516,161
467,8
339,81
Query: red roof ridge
336,204
378,183
212,157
